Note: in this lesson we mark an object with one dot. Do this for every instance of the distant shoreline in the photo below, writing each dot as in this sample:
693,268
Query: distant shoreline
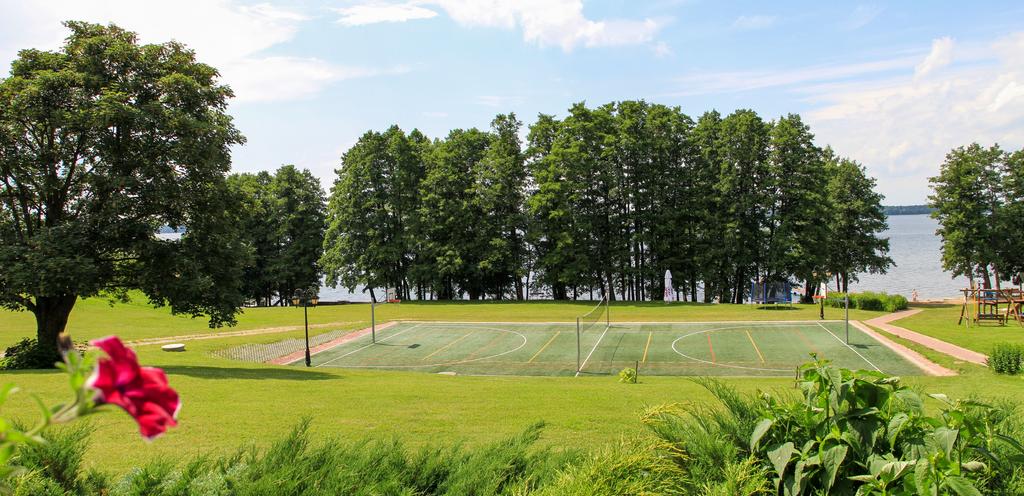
907,209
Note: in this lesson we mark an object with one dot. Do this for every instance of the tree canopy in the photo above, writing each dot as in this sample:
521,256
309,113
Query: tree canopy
282,221
979,202
102,142
602,202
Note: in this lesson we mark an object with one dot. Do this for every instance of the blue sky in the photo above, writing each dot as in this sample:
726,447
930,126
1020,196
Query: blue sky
893,85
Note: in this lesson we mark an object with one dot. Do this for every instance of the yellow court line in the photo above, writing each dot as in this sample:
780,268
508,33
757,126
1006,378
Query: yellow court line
649,336
449,345
542,348
751,338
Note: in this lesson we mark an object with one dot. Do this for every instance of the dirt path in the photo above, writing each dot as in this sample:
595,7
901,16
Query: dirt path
939,345
228,334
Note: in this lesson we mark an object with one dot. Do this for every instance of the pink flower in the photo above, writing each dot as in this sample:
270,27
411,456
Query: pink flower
141,391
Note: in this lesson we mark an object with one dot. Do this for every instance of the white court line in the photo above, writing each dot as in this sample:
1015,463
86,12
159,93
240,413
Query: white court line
851,348
584,364
369,345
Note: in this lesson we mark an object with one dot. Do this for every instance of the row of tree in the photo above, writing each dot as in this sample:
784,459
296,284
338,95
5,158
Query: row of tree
281,216
601,202
979,202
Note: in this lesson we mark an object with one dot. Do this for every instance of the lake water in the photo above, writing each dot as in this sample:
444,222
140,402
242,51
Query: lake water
917,252
913,246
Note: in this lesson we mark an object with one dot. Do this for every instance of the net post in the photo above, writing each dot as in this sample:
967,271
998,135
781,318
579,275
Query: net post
847,298
607,311
637,369
578,349
373,323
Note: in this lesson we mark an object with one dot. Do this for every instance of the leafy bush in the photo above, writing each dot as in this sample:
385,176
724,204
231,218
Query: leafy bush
1006,358
849,432
26,354
627,375
296,466
869,300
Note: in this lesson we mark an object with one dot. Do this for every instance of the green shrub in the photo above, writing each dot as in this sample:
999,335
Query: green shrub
848,433
1006,358
26,354
869,300
627,375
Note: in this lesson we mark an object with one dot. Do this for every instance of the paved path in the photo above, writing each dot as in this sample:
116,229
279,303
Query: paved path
228,334
939,345
299,355
930,367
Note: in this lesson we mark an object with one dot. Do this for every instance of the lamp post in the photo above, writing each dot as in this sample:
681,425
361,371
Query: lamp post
306,297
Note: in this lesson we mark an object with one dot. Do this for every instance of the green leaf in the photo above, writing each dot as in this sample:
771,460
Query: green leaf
896,424
922,476
945,439
780,457
759,431
832,460
911,399
960,486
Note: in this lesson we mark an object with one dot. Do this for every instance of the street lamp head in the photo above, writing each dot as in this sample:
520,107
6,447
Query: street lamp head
297,297
315,300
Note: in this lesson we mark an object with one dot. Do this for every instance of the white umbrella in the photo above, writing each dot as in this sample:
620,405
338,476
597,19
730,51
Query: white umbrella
668,286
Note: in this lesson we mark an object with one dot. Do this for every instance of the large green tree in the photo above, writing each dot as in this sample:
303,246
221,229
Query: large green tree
854,222
258,220
744,189
300,230
966,200
371,238
797,235
102,142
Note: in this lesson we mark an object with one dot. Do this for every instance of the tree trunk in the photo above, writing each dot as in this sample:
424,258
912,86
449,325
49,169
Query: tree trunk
51,318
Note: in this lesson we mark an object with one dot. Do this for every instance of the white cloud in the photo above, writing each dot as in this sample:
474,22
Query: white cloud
497,100
754,22
940,56
543,22
225,34
372,13
661,49
901,127
738,81
270,79
863,15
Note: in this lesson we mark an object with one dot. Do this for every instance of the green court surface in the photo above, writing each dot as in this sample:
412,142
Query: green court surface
721,348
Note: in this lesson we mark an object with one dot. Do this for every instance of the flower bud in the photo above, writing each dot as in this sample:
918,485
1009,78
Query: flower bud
64,344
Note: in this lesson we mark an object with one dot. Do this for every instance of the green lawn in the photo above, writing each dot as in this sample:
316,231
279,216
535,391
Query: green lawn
939,321
229,403
97,317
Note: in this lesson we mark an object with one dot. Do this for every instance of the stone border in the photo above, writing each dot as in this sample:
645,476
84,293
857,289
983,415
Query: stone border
928,366
301,354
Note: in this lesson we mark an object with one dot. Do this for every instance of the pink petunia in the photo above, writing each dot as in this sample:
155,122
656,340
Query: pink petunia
143,392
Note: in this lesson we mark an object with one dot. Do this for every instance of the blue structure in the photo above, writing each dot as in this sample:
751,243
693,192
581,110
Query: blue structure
771,292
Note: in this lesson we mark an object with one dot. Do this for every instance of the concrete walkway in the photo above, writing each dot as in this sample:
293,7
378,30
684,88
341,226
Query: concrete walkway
299,355
939,345
228,334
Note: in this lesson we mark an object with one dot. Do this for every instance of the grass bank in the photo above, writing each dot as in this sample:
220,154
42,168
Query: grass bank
939,320
228,404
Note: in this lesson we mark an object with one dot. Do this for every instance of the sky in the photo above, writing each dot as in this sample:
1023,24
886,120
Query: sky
893,85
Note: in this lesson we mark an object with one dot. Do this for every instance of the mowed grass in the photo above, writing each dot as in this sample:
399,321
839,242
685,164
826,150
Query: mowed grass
228,403
939,320
739,349
97,317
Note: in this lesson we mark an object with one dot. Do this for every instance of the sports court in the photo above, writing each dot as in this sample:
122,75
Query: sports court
604,348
